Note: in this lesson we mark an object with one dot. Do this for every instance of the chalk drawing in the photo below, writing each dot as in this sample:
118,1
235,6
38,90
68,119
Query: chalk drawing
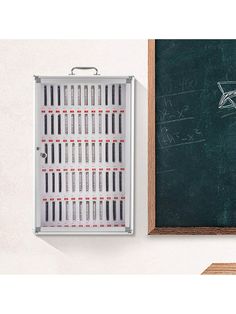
226,100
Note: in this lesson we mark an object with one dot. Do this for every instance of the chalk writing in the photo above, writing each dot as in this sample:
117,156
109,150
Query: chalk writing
180,85
169,113
171,138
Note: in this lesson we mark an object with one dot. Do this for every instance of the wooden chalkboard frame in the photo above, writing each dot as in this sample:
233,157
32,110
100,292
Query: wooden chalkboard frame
152,228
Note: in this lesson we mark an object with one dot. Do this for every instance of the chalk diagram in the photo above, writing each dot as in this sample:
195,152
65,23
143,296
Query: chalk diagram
227,99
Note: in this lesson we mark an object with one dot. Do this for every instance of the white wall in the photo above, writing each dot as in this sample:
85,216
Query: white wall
20,250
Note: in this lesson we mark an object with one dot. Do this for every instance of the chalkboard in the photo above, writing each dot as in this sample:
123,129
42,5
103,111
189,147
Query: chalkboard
192,100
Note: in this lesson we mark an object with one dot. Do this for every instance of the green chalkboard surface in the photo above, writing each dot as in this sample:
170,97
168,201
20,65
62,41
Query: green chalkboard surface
195,83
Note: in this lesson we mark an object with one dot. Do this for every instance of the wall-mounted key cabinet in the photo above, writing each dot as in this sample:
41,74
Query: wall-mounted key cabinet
84,155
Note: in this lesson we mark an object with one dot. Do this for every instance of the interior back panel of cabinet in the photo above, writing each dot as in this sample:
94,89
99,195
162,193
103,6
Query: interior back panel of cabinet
85,157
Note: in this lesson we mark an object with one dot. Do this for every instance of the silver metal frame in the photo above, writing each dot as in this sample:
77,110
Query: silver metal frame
71,231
